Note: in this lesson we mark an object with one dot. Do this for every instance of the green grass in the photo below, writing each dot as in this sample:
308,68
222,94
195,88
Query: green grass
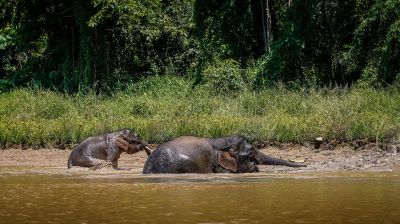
160,109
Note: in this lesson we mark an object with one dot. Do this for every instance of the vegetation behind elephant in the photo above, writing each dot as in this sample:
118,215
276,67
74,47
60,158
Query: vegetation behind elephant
97,152
188,154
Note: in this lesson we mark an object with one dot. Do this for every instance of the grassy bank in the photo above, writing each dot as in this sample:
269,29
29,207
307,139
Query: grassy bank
160,109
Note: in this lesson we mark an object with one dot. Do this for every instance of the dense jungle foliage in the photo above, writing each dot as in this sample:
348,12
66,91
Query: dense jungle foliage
230,45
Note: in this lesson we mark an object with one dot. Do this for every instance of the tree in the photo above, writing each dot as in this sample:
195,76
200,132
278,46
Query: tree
75,45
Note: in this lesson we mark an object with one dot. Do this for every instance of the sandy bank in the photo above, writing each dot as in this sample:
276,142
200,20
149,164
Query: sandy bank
339,158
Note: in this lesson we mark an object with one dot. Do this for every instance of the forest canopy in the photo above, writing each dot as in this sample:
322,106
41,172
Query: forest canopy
100,45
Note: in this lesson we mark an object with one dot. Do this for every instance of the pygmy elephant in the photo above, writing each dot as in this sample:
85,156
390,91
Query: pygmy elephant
188,154
105,150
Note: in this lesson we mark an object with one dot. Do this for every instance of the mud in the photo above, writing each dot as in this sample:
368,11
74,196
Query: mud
330,157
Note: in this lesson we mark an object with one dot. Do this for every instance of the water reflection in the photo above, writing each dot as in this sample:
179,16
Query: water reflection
213,198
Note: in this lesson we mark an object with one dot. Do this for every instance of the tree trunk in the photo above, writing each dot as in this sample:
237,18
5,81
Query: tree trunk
267,30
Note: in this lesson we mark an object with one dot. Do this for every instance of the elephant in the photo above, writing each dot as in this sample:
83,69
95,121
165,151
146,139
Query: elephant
189,154
105,150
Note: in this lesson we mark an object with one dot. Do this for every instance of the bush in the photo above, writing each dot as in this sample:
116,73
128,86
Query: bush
224,77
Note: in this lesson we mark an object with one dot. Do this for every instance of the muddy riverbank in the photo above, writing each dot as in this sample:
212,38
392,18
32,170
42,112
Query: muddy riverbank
333,158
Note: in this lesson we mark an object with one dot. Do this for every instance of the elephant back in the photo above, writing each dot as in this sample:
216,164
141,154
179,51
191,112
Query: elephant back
185,154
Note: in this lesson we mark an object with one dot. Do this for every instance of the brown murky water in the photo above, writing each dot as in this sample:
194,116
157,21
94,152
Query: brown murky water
348,197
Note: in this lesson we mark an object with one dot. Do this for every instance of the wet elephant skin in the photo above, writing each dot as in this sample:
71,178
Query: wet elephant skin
105,150
189,154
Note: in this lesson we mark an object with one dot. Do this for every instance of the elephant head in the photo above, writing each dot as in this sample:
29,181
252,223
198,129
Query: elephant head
130,142
236,156
241,157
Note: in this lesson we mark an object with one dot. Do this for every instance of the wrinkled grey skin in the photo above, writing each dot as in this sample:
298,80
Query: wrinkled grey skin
188,154
105,150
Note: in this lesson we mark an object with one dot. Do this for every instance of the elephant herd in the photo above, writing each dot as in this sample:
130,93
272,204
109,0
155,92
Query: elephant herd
186,154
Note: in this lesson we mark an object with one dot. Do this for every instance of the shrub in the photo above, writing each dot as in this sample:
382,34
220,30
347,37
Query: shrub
224,77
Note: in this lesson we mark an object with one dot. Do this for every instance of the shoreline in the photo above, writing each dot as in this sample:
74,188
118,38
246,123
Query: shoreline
326,159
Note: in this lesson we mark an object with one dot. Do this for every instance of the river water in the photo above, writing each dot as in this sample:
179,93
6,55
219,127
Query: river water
342,197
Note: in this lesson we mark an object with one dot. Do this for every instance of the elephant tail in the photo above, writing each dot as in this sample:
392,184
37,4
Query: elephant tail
70,162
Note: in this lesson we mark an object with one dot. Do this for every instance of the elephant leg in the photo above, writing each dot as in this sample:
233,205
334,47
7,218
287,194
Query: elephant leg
114,164
100,165
96,164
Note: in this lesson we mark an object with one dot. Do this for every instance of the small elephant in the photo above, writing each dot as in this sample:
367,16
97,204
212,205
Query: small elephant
188,154
105,150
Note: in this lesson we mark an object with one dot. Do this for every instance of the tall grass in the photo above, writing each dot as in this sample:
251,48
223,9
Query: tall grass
160,109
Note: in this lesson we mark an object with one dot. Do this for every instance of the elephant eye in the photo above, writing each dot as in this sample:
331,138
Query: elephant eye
245,153
252,153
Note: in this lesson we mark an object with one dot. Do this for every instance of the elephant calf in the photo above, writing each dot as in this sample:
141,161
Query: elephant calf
188,154
105,150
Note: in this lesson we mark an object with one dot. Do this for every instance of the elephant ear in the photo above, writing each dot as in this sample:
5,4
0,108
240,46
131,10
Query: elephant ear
122,144
227,161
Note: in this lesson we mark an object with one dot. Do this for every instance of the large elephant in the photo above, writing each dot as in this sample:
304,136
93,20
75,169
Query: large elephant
188,154
105,150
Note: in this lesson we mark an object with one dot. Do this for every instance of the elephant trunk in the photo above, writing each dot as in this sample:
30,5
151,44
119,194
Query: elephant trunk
145,147
263,159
